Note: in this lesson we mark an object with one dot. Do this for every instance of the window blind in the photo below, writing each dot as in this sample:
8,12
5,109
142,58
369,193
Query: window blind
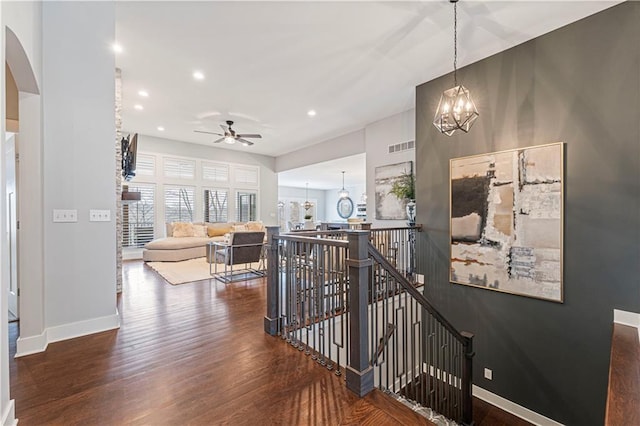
179,168
247,176
178,203
138,217
145,165
216,206
215,172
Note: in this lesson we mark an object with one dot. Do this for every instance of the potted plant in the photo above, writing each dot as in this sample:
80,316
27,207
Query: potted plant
404,189
308,223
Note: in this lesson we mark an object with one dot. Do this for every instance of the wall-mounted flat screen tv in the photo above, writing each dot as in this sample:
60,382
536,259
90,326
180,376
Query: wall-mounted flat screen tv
129,147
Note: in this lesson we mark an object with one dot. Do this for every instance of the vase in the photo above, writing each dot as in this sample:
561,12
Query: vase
411,212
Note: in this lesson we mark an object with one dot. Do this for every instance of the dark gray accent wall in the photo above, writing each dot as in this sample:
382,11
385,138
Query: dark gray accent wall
580,85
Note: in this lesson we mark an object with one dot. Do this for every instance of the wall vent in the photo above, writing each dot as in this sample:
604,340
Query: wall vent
402,146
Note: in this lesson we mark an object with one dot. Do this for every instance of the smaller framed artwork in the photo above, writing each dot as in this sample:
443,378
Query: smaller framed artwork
506,221
345,207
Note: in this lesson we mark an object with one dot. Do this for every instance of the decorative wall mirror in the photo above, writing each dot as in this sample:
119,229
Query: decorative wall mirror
345,207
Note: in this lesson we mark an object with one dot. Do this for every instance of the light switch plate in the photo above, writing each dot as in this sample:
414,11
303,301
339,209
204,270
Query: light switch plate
99,215
65,215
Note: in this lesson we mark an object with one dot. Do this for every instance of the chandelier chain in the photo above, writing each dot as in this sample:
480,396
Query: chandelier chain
455,43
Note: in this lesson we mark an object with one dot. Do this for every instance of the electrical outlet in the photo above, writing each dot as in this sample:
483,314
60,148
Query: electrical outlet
488,374
420,278
65,215
99,215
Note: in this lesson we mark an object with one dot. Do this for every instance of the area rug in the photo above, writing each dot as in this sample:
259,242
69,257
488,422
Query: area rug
188,270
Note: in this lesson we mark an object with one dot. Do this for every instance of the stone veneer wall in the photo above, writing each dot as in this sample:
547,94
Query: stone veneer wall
118,111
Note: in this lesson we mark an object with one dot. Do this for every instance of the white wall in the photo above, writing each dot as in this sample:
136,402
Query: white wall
343,146
374,140
379,135
268,199
24,20
331,202
79,167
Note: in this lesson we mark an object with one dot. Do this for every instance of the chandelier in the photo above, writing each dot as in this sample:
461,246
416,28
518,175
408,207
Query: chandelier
456,110
343,192
307,205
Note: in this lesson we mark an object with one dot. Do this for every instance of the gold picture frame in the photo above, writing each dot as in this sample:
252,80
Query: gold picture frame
506,215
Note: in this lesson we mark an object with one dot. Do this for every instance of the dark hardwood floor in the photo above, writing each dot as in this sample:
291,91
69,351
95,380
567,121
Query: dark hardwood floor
192,354
623,399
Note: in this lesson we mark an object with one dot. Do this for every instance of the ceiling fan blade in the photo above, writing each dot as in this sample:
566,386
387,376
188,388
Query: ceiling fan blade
250,136
209,133
218,140
225,129
244,142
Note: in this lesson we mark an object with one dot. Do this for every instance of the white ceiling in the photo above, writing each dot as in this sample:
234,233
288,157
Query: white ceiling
267,63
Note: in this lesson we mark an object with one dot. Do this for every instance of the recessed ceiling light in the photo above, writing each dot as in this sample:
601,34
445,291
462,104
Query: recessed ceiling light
116,48
138,107
160,128
311,113
198,75
143,93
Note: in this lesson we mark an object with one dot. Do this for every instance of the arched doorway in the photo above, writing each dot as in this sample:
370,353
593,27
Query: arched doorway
22,170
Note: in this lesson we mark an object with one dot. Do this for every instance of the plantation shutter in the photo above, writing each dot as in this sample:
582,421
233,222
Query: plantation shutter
179,168
178,203
216,206
138,217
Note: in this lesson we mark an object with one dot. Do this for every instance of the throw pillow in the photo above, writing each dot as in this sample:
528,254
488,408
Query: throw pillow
182,229
199,231
239,228
218,229
255,226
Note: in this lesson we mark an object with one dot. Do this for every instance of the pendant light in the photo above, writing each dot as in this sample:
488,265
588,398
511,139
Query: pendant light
307,205
456,110
343,192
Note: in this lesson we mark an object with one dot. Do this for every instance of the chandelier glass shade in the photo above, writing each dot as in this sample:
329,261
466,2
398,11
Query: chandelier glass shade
456,110
343,193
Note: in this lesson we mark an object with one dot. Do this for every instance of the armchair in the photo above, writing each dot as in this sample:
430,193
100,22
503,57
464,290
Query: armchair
243,248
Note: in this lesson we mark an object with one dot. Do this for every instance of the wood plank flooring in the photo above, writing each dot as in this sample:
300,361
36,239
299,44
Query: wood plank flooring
188,354
623,399
193,354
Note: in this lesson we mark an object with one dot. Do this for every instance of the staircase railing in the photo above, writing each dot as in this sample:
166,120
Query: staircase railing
355,309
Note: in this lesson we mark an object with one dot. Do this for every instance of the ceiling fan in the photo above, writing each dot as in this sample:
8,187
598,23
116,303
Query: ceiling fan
230,136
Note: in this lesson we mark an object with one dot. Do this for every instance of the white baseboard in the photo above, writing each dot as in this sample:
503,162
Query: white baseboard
131,254
9,414
513,408
31,344
35,344
626,318
83,328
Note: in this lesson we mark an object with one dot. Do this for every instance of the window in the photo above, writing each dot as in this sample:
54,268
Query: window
216,206
145,165
215,172
246,176
178,203
246,206
179,168
138,217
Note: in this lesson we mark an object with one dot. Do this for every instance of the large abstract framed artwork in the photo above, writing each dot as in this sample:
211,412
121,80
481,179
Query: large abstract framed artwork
388,206
507,221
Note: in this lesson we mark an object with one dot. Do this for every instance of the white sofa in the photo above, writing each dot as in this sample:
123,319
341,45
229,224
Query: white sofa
189,240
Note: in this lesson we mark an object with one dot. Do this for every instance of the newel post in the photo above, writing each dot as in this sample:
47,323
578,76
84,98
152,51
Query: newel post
359,373
467,379
271,319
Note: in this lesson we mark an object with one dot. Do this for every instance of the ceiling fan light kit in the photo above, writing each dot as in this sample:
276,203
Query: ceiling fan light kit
456,110
230,136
